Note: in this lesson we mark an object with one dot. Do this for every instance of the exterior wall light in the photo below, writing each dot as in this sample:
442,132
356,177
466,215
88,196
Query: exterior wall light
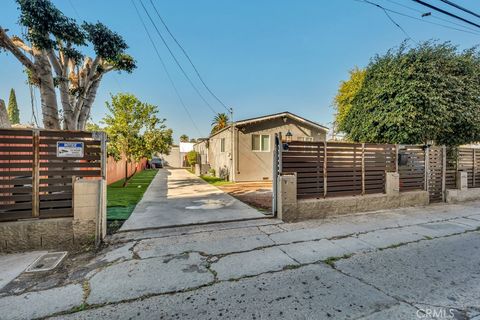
288,136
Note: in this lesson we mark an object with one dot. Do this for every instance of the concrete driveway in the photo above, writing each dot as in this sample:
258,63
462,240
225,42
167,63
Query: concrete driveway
177,198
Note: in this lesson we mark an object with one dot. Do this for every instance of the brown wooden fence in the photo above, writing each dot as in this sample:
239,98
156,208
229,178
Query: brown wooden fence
329,169
411,168
35,182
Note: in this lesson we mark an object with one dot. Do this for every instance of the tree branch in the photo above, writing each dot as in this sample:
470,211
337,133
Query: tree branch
9,45
55,63
20,44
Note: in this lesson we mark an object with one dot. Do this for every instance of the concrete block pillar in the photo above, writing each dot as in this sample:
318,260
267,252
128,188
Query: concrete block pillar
287,197
89,219
198,169
462,180
392,183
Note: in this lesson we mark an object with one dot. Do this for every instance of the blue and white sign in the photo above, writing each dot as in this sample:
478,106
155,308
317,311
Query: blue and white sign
69,149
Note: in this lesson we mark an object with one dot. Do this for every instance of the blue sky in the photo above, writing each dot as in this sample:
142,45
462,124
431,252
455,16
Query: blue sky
258,56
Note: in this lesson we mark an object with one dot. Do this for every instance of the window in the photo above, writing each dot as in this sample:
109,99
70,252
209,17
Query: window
222,145
261,142
305,138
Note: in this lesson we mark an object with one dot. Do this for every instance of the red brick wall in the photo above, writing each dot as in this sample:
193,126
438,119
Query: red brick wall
116,169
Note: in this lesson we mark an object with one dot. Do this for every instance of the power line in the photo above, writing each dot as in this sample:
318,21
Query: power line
188,57
391,19
461,8
446,12
175,59
432,16
80,18
165,69
418,19
74,9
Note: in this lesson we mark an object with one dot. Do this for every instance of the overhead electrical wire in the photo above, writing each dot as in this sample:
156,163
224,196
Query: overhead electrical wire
415,18
165,68
188,57
391,19
428,5
176,60
461,8
433,16
120,87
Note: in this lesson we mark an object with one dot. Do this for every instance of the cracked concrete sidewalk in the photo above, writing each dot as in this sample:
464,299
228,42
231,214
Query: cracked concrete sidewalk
174,272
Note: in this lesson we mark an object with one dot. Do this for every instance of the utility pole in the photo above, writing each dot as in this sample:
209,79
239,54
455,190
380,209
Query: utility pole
232,145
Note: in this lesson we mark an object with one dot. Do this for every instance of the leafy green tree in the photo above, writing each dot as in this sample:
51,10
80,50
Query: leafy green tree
4,121
134,130
416,95
13,112
184,138
50,51
219,122
91,127
347,91
192,157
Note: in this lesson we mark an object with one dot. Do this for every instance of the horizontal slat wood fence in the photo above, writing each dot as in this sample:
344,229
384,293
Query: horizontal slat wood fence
412,171
34,182
329,169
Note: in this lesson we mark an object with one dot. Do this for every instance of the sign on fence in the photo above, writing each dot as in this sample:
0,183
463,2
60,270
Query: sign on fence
69,149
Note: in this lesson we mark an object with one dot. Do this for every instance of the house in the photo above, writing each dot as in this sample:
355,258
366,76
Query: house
252,143
177,155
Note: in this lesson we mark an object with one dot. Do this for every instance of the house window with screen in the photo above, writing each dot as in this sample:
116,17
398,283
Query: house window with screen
222,145
261,142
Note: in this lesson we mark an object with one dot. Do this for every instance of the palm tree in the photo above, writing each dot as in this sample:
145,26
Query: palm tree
219,122
183,138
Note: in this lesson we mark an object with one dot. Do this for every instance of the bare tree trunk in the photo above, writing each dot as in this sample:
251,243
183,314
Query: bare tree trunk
47,92
4,121
87,105
126,174
68,114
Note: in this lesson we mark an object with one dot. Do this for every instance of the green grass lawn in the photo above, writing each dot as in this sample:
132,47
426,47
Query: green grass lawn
121,201
215,181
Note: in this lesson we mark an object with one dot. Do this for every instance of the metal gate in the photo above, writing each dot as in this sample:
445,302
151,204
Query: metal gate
37,168
277,165
436,173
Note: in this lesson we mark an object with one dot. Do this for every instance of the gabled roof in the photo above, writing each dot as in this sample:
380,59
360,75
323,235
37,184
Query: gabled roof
274,116
281,115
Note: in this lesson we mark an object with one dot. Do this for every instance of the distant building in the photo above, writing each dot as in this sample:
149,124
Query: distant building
177,156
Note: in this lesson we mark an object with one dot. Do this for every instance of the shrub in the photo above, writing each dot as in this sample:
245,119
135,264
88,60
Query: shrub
192,157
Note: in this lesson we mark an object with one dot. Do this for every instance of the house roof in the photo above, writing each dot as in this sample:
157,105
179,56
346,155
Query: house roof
274,116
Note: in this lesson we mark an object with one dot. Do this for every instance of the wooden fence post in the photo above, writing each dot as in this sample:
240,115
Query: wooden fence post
426,166
396,157
363,168
325,169
473,166
36,174
444,170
